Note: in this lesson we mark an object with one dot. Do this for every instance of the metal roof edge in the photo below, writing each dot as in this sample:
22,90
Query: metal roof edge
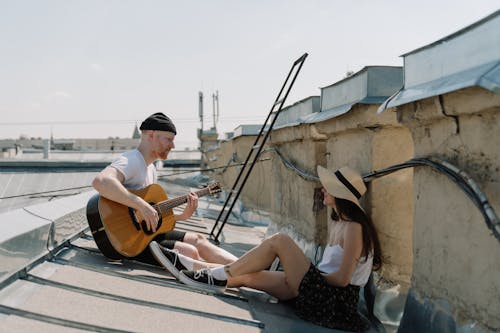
477,76
371,100
298,102
361,71
291,124
328,114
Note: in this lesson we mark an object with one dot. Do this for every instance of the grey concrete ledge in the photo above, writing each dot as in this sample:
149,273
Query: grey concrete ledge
29,232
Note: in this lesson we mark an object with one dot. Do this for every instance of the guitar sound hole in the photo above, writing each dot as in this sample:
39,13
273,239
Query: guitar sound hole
145,226
133,217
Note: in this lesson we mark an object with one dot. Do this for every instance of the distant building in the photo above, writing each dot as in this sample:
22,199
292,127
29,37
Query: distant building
136,134
9,148
208,140
106,144
64,144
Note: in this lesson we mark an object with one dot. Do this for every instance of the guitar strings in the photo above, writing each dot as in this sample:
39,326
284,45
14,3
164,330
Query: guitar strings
177,201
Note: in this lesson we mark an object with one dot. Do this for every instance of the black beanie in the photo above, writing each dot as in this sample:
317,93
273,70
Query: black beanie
158,122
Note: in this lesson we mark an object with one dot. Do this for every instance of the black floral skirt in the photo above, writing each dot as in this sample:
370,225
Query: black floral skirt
329,306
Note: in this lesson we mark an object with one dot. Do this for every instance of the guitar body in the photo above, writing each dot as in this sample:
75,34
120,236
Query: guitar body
119,231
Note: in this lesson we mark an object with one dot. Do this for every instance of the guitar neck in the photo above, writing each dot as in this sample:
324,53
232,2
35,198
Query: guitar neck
169,204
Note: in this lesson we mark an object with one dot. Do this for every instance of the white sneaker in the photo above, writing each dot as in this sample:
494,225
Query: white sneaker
167,258
202,279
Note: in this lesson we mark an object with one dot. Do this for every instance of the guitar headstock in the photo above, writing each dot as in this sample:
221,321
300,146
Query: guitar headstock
214,188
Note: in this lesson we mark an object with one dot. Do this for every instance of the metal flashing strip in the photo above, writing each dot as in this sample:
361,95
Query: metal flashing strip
328,114
486,76
290,124
114,297
57,321
337,111
83,248
5,281
145,279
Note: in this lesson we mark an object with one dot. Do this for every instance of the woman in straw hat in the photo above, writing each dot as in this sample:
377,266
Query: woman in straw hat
326,294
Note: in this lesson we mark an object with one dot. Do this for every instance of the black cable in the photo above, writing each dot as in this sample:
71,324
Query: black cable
459,177
45,192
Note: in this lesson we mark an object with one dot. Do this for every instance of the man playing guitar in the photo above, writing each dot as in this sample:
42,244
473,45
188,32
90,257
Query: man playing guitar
134,170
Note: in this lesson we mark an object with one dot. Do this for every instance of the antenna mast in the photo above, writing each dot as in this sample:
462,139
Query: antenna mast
215,108
200,108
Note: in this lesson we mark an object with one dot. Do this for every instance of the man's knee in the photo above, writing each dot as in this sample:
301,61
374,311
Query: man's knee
196,239
187,250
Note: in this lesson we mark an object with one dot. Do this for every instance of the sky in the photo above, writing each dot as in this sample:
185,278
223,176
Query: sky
96,68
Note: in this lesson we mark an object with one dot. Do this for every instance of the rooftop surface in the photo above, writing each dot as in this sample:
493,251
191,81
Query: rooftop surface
73,288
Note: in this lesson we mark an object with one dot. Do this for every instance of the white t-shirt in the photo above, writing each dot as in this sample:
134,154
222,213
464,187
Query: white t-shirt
132,166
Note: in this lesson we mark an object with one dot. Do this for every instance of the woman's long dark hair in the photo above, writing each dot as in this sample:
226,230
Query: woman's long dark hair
349,211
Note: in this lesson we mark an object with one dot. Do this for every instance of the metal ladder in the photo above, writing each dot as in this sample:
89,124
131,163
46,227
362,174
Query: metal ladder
256,149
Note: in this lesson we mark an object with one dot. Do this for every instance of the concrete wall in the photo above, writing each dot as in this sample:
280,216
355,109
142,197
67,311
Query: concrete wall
361,139
367,141
257,192
456,258
293,196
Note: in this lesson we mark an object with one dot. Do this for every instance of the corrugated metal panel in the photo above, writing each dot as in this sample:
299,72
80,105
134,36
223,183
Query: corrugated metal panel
470,57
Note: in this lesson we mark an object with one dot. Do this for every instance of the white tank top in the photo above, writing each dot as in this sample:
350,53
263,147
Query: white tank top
332,257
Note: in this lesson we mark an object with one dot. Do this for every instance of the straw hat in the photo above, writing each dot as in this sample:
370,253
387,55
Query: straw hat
345,183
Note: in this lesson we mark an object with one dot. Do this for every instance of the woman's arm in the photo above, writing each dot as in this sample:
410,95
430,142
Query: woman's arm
353,245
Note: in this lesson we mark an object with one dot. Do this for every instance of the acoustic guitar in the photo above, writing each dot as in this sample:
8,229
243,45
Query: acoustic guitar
121,232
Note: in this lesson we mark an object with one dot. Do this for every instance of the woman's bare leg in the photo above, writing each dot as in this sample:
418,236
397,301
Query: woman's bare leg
272,282
295,264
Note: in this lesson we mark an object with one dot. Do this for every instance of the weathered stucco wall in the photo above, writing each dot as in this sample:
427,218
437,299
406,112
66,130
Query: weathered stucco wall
293,199
367,141
217,160
456,257
257,192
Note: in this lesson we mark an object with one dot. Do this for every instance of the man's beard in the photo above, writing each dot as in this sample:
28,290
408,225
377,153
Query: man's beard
164,155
